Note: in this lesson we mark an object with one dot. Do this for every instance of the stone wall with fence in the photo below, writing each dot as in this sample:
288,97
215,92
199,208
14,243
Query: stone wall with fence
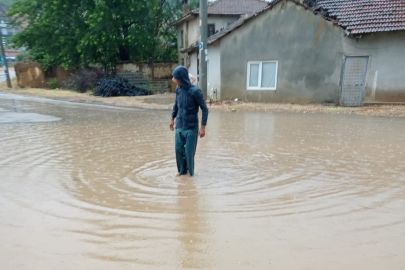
161,70
31,74
157,75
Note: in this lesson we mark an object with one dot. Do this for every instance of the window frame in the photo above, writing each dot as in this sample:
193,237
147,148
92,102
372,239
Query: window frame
208,28
181,38
260,75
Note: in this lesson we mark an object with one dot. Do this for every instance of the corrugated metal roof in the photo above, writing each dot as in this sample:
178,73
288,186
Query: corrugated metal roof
366,16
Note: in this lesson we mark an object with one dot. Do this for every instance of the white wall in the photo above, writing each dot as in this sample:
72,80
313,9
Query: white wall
385,74
221,21
193,65
307,47
194,26
214,72
193,34
193,31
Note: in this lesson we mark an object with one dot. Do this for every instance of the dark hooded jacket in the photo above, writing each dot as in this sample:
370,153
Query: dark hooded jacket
188,99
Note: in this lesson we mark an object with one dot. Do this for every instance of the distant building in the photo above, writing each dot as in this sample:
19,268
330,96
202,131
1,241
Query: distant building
7,30
347,52
221,14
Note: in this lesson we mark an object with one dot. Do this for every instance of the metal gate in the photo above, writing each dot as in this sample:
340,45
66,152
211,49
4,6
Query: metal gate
354,80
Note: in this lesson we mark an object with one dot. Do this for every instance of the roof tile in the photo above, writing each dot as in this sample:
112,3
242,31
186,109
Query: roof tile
366,16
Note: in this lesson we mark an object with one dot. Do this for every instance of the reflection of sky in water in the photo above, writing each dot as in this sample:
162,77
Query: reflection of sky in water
16,112
13,117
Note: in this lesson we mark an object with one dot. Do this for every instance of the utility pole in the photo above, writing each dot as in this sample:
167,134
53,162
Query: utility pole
204,47
3,59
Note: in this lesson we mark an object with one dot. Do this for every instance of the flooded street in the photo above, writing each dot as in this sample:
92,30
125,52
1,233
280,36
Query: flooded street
94,187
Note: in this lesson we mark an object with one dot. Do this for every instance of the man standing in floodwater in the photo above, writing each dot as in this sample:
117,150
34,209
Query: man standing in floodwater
185,110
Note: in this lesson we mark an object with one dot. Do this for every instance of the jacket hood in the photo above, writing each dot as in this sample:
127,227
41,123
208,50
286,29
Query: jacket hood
181,74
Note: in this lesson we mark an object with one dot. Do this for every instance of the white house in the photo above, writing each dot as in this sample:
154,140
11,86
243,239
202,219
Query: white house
347,52
221,14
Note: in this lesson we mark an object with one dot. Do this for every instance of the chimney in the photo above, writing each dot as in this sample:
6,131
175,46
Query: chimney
185,7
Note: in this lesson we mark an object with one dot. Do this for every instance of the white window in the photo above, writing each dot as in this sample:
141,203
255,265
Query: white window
262,75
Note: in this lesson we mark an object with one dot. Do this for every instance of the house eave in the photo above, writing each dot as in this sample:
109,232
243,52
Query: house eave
185,18
189,49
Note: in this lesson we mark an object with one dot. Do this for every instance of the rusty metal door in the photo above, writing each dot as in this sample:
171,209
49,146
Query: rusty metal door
353,81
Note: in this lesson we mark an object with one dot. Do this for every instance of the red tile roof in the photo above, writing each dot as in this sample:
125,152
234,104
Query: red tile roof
11,53
366,16
234,7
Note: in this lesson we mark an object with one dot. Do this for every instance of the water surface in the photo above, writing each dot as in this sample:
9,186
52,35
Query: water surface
94,187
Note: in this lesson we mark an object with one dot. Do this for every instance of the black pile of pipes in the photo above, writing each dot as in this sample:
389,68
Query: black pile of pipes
115,87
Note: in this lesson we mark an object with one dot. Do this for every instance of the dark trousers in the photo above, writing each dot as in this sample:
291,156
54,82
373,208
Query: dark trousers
186,146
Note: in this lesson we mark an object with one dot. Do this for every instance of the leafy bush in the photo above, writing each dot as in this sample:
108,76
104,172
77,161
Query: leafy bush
84,80
22,56
52,83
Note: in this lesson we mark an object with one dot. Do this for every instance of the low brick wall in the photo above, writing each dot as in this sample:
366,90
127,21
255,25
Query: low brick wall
62,73
162,70
30,75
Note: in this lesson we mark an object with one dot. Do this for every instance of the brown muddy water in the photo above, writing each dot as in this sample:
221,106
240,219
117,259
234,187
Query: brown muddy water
94,187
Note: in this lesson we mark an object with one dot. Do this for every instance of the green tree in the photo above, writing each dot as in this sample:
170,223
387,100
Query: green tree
53,30
115,31
82,32
166,43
